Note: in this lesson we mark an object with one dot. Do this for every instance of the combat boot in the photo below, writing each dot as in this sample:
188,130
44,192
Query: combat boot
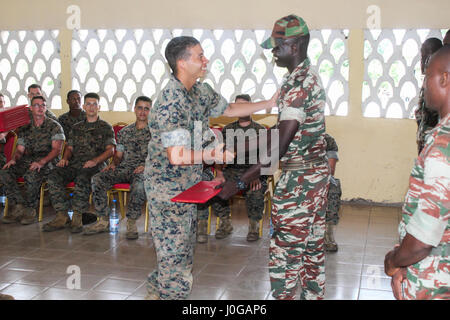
330,243
225,228
253,230
132,232
15,214
76,225
61,221
202,228
102,225
29,216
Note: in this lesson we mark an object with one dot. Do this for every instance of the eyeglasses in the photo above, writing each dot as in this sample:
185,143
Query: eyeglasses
37,105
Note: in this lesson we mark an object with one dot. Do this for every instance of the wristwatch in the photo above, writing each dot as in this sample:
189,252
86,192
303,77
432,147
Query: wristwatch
241,185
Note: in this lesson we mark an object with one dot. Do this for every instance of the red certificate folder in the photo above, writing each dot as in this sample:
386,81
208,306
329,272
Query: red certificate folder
199,193
14,117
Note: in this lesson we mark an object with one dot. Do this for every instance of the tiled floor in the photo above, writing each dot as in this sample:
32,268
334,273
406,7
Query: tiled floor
34,264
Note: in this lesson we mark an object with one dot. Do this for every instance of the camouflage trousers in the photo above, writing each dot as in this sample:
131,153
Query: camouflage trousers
173,227
103,181
333,201
296,253
33,181
254,200
60,177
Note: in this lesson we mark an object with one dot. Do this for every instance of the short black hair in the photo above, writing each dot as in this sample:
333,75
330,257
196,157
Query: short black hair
37,97
92,95
143,98
245,97
72,91
34,86
177,49
432,45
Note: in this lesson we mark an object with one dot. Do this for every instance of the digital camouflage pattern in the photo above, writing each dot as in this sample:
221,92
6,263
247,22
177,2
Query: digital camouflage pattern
425,215
296,253
133,143
172,121
426,120
38,144
89,140
2,152
334,189
67,121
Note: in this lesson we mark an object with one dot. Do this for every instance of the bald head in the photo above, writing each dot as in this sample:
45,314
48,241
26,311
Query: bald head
437,82
430,46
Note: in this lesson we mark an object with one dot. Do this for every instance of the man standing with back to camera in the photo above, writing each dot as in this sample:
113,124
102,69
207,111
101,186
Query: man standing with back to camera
175,162
296,253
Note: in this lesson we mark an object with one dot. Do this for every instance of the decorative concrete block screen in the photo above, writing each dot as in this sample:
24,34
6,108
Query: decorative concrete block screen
123,64
392,76
28,57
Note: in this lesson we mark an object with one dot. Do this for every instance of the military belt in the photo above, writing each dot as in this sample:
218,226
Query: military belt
302,165
441,250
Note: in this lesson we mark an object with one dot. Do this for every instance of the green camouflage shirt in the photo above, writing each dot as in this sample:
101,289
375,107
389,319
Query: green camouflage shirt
89,140
302,98
172,120
133,143
67,121
426,214
38,140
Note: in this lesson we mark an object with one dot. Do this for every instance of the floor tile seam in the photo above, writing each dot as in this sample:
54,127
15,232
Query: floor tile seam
365,246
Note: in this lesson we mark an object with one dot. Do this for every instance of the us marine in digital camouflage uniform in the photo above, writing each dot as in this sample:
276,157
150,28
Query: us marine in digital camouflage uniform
35,90
90,144
334,195
39,146
175,163
74,115
127,167
426,118
296,250
254,196
420,266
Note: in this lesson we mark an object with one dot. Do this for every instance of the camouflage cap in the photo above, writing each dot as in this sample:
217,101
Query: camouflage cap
290,26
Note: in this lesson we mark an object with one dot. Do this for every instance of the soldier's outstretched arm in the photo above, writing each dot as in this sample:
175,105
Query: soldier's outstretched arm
246,109
288,129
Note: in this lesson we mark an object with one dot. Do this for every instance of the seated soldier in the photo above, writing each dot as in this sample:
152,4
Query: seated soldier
254,196
38,150
35,90
127,167
67,120
334,196
90,144
74,115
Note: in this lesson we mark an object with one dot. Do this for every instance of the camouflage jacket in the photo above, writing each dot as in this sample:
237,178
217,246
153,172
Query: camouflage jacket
38,140
179,118
425,215
426,120
67,121
89,140
243,159
302,98
134,145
